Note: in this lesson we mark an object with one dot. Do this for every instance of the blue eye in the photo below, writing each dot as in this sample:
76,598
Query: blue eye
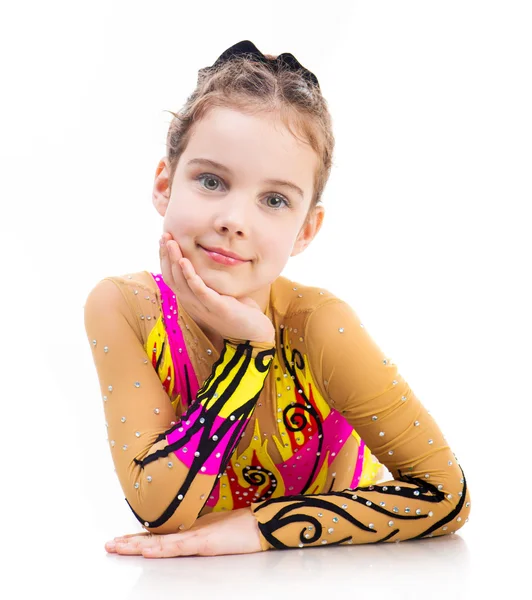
209,176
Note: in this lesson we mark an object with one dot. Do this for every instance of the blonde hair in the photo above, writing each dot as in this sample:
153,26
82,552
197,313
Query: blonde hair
254,87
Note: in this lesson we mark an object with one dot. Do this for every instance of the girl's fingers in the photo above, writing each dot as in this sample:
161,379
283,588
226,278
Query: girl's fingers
206,295
130,535
180,275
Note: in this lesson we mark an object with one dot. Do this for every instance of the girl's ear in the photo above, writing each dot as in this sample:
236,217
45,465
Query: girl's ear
309,230
161,187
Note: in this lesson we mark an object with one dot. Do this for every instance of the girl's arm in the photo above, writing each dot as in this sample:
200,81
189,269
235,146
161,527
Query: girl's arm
168,471
428,496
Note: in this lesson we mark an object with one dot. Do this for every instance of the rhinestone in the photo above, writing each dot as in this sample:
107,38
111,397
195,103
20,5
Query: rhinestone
407,510
105,398
202,420
385,488
156,411
354,496
209,351
390,523
215,438
416,493
368,503
323,541
341,330
418,511
430,513
427,475
196,453
137,486
94,342
395,509
124,447
459,519
218,455
381,433
390,452
113,442
450,463
397,488
110,388
185,449
430,441
232,417
468,504
148,479
371,526
204,469
403,398
330,530
440,486
320,514
335,519
170,465
344,505
383,503
374,417
105,349
123,419
416,423
146,524
394,382
137,433
449,496
181,526
307,535
180,497
444,528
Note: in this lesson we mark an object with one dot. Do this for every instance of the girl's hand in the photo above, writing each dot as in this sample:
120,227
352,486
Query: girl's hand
214,534
231,317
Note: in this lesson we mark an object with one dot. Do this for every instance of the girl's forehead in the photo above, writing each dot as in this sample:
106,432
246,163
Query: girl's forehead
233,137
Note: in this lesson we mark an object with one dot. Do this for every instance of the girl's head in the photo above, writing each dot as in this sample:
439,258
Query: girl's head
244,130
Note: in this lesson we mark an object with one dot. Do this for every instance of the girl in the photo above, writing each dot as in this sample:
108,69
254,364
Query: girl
241,406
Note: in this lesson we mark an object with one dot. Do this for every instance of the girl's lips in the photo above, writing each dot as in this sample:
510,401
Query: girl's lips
223,260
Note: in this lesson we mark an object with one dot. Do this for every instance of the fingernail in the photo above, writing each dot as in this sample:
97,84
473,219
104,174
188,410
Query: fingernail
111,545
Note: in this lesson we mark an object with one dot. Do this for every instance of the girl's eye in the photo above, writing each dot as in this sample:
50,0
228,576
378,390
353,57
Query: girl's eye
213,178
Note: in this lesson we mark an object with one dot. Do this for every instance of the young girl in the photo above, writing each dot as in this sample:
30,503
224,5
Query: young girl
245,411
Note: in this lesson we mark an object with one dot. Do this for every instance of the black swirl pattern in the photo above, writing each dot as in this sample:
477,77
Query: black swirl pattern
295,510
258,476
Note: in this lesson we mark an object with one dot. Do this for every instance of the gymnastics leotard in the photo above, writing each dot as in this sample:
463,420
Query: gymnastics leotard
301,432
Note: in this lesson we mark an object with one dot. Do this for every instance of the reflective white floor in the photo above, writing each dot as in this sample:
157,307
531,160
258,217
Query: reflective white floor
486,559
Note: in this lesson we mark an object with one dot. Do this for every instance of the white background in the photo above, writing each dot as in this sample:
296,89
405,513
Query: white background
426,234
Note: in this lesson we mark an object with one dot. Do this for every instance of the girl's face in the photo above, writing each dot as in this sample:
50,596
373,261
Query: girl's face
240,204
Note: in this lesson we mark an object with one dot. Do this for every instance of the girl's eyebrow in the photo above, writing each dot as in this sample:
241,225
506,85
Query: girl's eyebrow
216,165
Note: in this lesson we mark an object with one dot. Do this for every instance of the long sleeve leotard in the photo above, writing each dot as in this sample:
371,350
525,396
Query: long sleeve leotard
301,432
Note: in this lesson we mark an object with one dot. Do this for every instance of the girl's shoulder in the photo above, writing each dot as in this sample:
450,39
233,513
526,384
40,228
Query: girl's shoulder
142,280
136,296
293,298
